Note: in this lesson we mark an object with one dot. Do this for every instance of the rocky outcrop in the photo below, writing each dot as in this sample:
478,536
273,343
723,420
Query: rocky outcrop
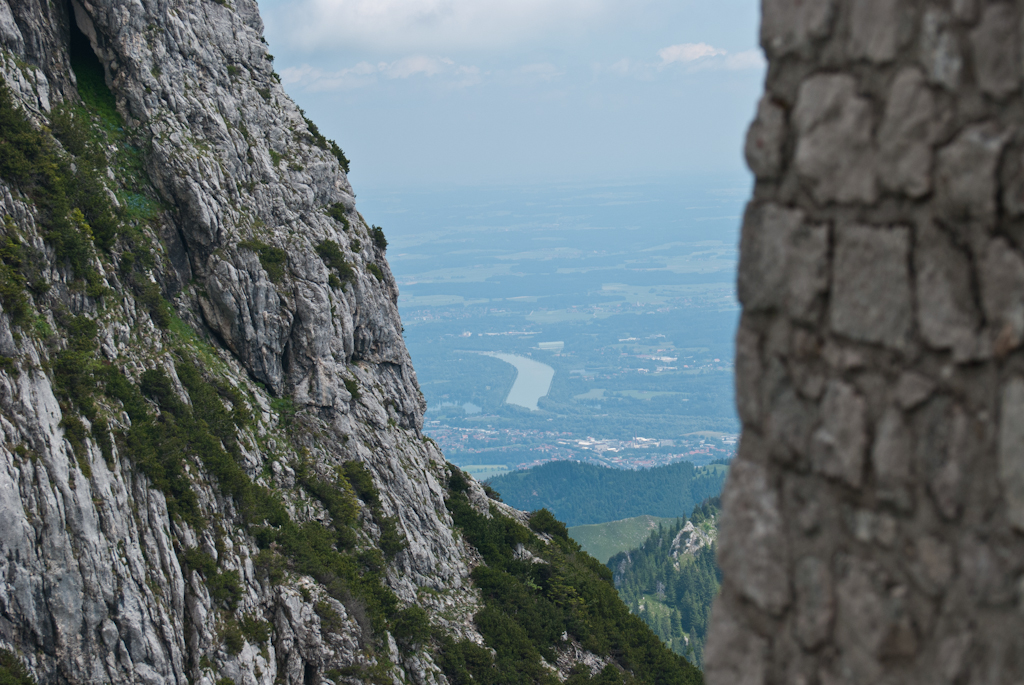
872,525
238,196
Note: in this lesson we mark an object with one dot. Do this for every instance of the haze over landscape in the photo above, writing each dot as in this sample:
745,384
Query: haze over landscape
562,199
562,186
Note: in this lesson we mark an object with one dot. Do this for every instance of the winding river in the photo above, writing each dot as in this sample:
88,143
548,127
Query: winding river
533,379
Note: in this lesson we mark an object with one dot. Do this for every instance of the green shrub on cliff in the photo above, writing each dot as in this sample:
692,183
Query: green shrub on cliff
530,604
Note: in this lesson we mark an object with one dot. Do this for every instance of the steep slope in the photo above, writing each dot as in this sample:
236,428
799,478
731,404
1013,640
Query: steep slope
671,580
211,466
604,540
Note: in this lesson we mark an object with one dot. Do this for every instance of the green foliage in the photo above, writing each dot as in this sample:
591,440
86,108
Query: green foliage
362,483
377,233
352,385
334,258
270,565
14,274
324,144
198,560
411,626
273,259
12,670
329,618
375,270
159,445
225,588
467,663
676,593
528,607
340,156
233,638
543,521
22,149
337,497
391,539
457,480
583,493
150,295
255,630
354,578
101,434
29,160
338,213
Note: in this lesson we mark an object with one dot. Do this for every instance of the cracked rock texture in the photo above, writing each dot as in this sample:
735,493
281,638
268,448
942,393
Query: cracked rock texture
873,520
91,586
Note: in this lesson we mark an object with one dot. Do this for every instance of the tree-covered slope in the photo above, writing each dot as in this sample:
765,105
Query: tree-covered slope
579,494
671,580
543,601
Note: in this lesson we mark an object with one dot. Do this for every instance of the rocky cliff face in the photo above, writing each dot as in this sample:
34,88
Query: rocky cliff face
199,340
211,461
873,517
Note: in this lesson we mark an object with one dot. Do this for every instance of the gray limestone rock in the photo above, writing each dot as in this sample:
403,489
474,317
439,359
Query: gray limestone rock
871,299
879,361
835,153
874,29
765,255
763,147
940,49
905,135
946,311
965,178
815,602
92,586
735,654
1011,451
996,46
838,447
752,539
790,25
1002,295
782,248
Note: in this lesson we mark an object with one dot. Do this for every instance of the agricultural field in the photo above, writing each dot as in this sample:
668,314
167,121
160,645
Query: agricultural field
635,319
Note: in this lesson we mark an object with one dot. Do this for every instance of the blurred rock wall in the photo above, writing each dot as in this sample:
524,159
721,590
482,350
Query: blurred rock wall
874,515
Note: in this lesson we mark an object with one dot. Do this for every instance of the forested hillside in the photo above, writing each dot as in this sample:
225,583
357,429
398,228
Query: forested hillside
671,580
579,493
542,601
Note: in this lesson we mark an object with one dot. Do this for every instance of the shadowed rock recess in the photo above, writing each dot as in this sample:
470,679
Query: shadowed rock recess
873,519
212,468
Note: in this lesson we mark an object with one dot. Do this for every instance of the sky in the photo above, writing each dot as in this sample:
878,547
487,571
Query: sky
441,93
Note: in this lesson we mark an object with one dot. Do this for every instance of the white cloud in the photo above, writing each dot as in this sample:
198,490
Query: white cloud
688,52
542,71
748,59
426,25
415,65
698,56
364,74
